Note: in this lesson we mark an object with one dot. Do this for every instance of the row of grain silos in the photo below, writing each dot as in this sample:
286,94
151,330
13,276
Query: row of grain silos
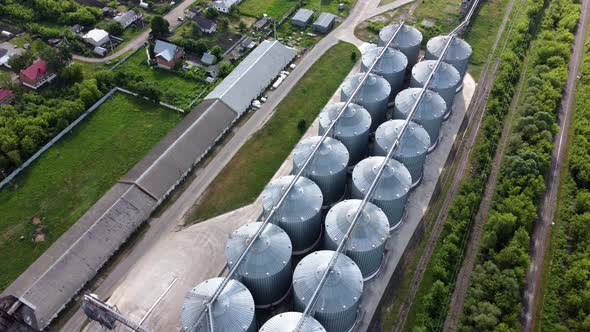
323,202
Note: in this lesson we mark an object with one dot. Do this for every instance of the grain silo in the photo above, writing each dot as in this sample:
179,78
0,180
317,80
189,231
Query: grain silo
392,189
445,81
337,303
373,96
232,311
392,66
266,270
287,322
366,244
352,129
300,213
408,41
413,145
429,114
458,54
327,168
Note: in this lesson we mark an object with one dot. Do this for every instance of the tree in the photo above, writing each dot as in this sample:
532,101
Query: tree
114,28
223,24
211,13
20,62
242,26
302,126
353,56
71,74
218,52
149,90
159,26
224,69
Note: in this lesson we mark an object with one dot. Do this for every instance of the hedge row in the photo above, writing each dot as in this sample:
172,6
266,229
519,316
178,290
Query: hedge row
447,258
494,296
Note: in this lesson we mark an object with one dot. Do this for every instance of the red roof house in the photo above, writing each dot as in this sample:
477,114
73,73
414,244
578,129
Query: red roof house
36,74
6,96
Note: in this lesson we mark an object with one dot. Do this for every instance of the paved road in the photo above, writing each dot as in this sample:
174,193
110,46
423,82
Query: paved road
171,17
542,227
175,214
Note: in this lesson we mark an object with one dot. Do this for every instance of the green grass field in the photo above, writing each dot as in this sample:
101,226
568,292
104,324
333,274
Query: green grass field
176,90
258,160
71,176
273,8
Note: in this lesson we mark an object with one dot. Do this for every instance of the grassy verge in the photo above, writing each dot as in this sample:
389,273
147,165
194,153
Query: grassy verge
242,180
273,8
176,90
71,176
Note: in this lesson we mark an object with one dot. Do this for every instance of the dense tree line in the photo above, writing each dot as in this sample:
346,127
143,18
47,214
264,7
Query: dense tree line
37,116
566,302
66,12
447,257
494,297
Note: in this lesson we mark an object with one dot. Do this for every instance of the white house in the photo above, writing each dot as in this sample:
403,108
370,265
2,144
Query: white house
224,5
96,37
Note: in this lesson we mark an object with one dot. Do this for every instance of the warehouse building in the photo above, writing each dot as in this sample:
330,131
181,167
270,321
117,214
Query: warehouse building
253,75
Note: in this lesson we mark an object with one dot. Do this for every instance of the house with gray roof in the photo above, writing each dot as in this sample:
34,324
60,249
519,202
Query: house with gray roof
324,23
253,75
167,54
224,6
302,18
127,18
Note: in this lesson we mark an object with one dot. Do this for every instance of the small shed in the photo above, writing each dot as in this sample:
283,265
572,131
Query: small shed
324,23
261,23
208,58
302,18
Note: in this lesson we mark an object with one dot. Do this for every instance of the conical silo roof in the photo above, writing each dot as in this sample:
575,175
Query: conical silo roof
371,230
232,311
366,243
330,158
415,140
408,40
391,192
300,213
432,106
395,181
352,129
392,61
338,300
374,89
287,322
266,269
430,113
446,76
458,54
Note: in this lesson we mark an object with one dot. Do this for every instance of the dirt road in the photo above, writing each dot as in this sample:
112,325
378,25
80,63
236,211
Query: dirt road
542,226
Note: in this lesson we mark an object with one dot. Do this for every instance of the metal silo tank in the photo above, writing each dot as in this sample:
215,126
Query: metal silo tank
300,213
391,193
392,66
445,82
373,96
430,112
408,41
327,168
352,128
413,146
266,270
458,54
337,304
287,322
366,244
232,311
